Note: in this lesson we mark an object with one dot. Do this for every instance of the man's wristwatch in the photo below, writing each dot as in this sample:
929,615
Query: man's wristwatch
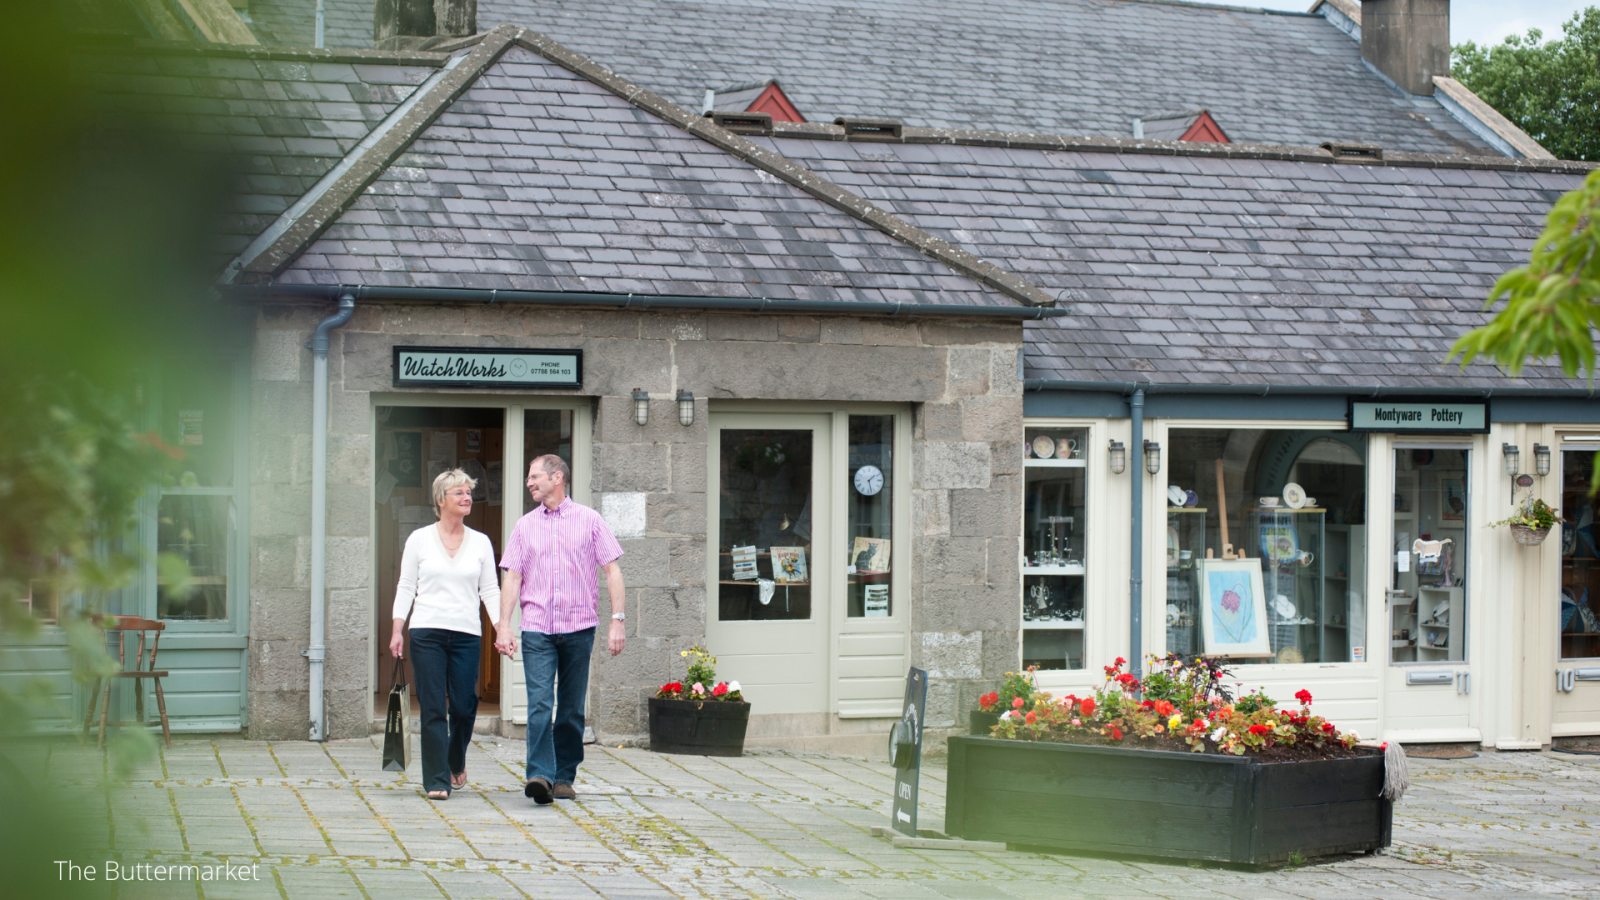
620,617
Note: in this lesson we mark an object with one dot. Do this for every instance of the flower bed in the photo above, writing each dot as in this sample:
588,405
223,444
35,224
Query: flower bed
1173,765
699,715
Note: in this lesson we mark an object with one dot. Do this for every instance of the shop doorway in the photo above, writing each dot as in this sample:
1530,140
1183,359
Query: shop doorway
415,444
1577,703
1430,676
768,610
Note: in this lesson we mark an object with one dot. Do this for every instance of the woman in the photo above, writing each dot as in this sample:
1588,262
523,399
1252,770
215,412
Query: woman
445,573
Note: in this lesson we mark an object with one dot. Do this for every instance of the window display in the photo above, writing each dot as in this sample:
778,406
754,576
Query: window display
1053,547
766,500
870,508
1580,557
1265,545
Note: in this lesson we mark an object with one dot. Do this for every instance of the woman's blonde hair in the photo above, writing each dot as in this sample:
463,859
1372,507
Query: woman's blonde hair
448,481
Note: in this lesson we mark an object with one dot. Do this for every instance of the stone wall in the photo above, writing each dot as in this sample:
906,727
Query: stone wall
650,482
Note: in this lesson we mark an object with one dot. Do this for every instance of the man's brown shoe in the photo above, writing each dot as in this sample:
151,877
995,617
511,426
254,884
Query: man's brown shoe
564,791
538,789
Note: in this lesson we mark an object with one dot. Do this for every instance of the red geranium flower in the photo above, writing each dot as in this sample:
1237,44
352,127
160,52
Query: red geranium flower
1031,717
1164,708
1016,702
1087,706
674,687
1116,733
1121,661
1328,727
988,700
720,689
1125,678
1304,696
1259,729
1148,704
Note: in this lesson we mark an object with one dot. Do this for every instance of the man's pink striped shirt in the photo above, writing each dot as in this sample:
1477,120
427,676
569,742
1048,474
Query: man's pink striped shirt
557,553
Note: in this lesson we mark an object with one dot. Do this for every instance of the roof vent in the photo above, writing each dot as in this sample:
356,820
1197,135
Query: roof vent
1353,151
742,122
869,129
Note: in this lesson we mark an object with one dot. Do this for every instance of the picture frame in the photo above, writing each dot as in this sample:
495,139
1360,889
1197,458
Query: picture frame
1452,500
789,565
1233,608
870,556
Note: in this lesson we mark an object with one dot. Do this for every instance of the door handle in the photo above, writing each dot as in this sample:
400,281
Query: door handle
1463,682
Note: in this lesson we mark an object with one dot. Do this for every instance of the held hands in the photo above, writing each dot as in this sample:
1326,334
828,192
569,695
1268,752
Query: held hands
503,641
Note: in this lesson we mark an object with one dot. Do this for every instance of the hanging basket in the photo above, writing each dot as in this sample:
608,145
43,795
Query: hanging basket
1528,535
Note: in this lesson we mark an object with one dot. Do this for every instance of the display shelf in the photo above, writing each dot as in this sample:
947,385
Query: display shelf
1077,569
1033,463
1053,625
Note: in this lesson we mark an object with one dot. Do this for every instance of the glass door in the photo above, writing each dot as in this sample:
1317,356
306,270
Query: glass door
769,565
1429,681
1577,704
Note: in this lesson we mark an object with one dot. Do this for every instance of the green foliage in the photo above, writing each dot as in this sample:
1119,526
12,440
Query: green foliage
1017,685
1550,90
1553,303
1254,702
1532,513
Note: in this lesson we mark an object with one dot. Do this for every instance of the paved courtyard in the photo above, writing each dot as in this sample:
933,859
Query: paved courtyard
325,821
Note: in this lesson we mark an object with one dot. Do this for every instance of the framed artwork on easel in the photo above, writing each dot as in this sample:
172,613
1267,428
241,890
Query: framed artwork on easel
1233,608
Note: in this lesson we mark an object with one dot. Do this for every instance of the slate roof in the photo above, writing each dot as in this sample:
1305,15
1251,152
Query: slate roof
281,122
1219,270
1049,66
538,179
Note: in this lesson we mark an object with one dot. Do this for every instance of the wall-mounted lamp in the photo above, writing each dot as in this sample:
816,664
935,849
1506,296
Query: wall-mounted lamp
1541,459
1152,457
1117,458
1513,458
641,407
685,408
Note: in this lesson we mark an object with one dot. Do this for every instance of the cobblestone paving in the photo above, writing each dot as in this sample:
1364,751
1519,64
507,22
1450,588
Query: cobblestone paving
324,821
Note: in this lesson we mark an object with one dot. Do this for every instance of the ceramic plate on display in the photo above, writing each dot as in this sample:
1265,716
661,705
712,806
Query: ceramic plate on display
1191,499
1043,447
1294,496
1027,450
1177,495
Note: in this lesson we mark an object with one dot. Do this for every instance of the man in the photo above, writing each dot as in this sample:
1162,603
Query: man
550,566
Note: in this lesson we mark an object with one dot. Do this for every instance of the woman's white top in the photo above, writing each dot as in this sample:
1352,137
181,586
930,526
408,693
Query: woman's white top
445,591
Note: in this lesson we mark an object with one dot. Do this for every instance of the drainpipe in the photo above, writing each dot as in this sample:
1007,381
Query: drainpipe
1136,548
319,507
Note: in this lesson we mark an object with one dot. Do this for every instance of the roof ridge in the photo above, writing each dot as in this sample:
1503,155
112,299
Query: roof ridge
1023,140
303,222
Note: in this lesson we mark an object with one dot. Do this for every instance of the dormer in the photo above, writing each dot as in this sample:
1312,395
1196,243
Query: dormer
765,96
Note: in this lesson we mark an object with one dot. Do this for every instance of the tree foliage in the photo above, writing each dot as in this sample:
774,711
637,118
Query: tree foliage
1551,90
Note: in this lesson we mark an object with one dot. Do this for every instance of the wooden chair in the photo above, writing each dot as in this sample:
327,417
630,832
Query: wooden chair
119,626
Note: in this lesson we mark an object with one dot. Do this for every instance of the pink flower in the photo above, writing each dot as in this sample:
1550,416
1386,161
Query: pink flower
1016,702
1230,601
699,688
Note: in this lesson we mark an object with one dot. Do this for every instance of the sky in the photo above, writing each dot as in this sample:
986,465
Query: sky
1480,21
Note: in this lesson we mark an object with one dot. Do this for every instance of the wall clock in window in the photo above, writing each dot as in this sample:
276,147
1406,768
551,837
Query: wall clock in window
869,481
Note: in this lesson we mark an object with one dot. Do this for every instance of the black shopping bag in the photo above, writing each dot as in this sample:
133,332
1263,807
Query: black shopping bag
396,749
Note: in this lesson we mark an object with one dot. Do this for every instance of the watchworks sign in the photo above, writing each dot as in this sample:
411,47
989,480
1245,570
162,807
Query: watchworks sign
1419,417
465,367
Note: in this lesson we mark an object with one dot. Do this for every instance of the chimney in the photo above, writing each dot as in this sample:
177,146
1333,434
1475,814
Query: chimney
1407,40
410,24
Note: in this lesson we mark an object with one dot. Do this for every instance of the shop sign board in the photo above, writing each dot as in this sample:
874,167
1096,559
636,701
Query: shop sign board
1419,416
905,752
495,368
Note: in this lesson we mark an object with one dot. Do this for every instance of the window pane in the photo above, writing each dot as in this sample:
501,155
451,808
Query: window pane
1053,547
196,529
1580,558
1428,615
870,508
197,418
1311,556
547,431
764,525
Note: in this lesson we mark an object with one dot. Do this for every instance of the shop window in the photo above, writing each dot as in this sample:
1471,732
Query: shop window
1265,545
870,509
1428,596
197,530
764,525
1053,553
1580,556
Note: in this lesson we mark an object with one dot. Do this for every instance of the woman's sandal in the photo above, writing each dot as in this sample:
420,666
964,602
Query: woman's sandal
458,780
438,795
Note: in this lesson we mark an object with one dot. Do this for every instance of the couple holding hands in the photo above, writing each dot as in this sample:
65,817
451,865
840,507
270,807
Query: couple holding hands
550,565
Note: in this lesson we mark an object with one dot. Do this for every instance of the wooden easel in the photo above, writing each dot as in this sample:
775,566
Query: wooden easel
1222,517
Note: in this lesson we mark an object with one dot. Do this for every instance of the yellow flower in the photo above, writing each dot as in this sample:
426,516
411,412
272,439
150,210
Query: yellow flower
1174,722
1272,724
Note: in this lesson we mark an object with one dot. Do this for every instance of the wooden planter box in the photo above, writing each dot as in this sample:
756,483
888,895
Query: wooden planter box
700,727
1164,803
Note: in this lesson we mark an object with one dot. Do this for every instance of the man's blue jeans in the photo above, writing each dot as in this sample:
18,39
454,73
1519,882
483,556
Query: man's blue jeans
445,663
557,669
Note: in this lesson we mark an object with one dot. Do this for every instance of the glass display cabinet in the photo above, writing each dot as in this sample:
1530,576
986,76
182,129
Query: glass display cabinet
1055,461
1186,541
1293,548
